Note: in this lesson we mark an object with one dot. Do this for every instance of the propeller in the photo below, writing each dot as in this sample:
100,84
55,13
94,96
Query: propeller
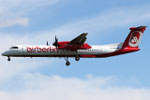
47,43
56,42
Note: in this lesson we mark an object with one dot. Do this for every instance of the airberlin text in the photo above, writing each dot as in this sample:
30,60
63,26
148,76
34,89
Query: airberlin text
41,49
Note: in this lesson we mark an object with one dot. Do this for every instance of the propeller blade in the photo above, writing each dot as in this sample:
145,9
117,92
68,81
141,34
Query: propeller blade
56,39
56,42
47,43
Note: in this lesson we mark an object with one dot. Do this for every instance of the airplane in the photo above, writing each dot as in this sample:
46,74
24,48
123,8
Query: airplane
77,48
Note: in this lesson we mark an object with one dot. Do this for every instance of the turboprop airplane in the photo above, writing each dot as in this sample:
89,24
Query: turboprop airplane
77,48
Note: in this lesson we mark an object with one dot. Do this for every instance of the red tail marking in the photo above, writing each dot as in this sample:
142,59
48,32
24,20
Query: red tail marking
134,37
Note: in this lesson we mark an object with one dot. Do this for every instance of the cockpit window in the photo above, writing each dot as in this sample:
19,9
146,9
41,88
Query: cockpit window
14,47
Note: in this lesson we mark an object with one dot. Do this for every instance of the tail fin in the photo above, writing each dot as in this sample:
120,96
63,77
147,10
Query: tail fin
134,37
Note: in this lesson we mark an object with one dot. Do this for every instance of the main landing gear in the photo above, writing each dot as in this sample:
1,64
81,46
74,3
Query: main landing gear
9,58
77,58
67,61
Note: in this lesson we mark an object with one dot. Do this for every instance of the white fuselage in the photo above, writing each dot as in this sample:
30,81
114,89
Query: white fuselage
52,51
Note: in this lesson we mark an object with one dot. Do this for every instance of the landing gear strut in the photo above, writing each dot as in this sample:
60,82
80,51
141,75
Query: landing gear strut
67,62
9,58
77,58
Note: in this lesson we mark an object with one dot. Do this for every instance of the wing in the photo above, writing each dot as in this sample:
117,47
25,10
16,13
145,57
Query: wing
80,39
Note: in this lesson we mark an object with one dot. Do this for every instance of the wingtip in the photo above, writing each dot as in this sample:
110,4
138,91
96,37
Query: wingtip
85,33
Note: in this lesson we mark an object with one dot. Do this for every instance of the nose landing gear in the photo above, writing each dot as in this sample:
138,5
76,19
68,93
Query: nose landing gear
9,58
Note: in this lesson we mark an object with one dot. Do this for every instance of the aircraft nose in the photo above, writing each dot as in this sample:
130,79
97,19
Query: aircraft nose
4,54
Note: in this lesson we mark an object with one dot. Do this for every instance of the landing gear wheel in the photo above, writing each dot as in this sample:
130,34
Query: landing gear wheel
9,59
77,58
68,63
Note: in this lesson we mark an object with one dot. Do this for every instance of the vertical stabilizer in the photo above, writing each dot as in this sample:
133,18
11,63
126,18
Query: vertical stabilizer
134,37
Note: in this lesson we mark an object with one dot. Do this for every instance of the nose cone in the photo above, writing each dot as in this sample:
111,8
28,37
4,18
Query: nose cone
4,54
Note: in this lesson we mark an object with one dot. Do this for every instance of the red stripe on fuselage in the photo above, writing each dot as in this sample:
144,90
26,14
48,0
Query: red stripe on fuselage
121,51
